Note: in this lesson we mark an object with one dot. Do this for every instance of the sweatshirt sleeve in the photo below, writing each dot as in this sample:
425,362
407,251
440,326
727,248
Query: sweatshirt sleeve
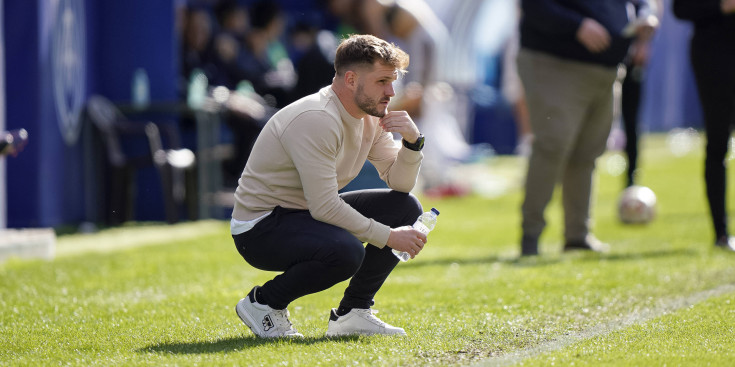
396,165
550,17
697,10
312,141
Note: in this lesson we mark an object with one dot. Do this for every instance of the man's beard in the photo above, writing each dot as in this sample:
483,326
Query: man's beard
367,104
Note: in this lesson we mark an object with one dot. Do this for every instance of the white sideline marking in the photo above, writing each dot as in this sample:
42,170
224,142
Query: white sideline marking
121,238
638,317
27,243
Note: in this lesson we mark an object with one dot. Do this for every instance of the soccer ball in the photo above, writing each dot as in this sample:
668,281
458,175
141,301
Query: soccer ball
637,205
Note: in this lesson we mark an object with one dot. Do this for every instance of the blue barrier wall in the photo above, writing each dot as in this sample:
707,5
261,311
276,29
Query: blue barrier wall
58,52
136,34
29,204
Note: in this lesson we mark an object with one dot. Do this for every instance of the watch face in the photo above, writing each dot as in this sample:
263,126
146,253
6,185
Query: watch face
417,145
420,142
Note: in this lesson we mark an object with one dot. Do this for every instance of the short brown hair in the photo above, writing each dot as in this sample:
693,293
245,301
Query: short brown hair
364,49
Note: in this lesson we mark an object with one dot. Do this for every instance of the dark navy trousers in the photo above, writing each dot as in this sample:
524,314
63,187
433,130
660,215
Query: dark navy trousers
314,255
715,77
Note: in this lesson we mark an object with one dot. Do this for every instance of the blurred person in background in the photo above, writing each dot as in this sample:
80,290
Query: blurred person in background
512,90
196,55
635,67
289,216
339,17
265,59
229,44
212,41
231,48
358,16
424,93
570,51
712,56
312,52
630,99
217,55
196,49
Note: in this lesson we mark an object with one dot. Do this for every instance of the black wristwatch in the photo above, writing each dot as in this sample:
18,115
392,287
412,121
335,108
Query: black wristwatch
417,146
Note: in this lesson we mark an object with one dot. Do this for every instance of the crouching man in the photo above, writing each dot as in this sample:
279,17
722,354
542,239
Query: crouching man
289,216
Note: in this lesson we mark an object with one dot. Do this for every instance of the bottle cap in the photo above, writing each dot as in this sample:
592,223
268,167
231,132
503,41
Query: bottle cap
435,211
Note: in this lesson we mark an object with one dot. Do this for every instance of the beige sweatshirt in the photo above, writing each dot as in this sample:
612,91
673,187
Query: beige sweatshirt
312,148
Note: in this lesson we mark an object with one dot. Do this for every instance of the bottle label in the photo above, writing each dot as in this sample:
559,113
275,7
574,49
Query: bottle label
421,228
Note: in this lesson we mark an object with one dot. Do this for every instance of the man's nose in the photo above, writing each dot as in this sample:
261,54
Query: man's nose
389,91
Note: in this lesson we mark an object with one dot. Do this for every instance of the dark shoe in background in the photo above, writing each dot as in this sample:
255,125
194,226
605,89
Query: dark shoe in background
590,243
529,246
726,243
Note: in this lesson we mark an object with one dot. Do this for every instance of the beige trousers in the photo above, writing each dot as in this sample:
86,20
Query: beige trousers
571,109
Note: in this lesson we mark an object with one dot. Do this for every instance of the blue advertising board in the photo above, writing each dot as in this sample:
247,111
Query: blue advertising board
58,53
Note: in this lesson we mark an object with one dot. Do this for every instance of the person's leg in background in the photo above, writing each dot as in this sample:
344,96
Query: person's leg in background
716,87
630,103
578,178
552,90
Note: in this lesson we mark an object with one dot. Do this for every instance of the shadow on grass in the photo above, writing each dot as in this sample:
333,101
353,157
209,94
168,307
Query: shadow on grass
233,344
479,260
546,260
646,254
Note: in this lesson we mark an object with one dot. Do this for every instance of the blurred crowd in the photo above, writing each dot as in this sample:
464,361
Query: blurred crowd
465,57
275,54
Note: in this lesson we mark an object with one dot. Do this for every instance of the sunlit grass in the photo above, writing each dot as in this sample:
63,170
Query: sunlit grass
467,299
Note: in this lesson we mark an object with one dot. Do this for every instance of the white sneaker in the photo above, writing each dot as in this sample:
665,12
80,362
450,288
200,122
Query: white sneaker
359,321
264,321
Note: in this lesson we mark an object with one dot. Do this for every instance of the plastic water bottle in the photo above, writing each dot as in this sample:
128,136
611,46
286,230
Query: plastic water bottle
424,224
141,94
197,92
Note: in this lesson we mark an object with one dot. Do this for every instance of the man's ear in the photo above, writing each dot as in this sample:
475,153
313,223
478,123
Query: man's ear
350,80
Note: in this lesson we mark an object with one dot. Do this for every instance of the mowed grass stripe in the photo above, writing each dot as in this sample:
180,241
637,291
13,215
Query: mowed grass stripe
167,299
136,235
602,330
699,335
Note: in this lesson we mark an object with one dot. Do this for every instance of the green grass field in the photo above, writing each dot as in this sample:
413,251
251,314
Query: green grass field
165,295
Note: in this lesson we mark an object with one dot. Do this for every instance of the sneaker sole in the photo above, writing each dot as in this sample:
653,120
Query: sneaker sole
246,318
354,333
360,333
337,335
332,334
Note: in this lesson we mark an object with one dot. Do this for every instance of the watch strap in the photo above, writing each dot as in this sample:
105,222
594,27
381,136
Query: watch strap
416,146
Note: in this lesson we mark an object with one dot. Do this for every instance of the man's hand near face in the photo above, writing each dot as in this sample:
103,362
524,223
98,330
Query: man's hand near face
400,122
